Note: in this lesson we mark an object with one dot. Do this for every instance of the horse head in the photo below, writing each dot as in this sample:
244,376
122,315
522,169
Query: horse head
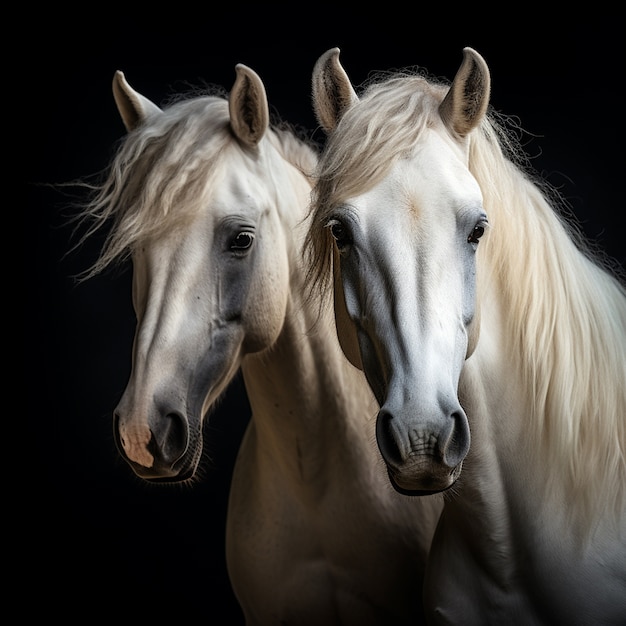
396,201
210,286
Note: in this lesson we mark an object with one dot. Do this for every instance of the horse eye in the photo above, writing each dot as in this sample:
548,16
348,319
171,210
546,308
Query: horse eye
339,232
241,241
477,232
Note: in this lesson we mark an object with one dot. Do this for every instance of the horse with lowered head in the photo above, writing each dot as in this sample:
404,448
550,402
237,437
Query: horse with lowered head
209,199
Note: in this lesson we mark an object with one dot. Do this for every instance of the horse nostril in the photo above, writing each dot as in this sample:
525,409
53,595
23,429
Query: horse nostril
170,433
458,443
387,443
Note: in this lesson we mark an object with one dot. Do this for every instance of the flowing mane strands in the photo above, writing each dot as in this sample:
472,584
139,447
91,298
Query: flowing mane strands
555,276
171,162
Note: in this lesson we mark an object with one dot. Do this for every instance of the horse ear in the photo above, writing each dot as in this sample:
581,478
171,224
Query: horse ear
466,102
333,93
133,107
247,104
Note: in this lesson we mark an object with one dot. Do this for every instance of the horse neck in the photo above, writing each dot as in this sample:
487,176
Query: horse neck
310,407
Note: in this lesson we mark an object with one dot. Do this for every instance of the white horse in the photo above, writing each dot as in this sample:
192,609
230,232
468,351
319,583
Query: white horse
517,339
209,199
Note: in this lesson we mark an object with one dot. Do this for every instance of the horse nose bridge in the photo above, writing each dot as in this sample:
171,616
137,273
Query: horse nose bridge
173,310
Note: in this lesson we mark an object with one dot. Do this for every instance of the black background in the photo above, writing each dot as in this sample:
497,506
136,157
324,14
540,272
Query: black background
88,529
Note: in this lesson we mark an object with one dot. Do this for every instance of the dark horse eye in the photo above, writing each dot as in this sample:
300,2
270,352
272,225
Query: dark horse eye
242,241
339,232
477,232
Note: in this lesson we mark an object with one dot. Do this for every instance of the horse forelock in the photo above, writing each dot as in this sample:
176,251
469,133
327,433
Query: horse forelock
159,177
156,177
566,321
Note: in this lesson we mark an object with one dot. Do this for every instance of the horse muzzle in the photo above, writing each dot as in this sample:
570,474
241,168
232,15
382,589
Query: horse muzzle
161,450
423,456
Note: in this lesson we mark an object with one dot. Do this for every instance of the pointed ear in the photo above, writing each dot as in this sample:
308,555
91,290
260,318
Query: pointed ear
132,106
333,93
466,102
247,104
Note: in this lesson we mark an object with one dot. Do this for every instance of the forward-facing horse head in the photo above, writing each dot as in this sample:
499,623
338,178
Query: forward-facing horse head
492,337
210,201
